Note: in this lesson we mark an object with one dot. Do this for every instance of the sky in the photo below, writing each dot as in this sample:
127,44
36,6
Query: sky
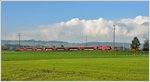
72,21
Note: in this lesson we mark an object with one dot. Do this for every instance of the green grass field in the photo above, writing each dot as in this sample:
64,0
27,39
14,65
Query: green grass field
75,65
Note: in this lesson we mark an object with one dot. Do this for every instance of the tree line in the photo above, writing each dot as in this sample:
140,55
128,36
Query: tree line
136,44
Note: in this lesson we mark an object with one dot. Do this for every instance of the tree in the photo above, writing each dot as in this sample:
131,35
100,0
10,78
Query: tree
62,45
135,43
146,45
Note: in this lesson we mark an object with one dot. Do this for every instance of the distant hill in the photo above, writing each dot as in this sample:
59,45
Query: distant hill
117,44
59,43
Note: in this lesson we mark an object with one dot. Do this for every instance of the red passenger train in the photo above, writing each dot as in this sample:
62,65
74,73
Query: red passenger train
64,48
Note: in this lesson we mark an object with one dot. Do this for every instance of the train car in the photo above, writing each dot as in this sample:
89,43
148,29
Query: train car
39,48
89,48
49,48
20,49
73,48
60,48
104,47
30,49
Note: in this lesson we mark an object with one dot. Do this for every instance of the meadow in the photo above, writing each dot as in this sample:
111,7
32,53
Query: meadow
74,65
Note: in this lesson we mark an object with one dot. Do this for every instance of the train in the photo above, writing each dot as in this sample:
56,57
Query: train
67,48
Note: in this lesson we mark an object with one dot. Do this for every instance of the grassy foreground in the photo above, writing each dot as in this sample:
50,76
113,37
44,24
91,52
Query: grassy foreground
74,65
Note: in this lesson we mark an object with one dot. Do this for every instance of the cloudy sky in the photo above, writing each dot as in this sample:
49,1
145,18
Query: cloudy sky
72,21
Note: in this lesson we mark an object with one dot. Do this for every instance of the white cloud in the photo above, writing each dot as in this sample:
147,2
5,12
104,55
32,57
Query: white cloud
140,19
74,30
134,27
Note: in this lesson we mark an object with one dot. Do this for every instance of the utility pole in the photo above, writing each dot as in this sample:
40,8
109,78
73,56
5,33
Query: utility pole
19,35
37,43
124,43
6,42
86,40
123,46
114,37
